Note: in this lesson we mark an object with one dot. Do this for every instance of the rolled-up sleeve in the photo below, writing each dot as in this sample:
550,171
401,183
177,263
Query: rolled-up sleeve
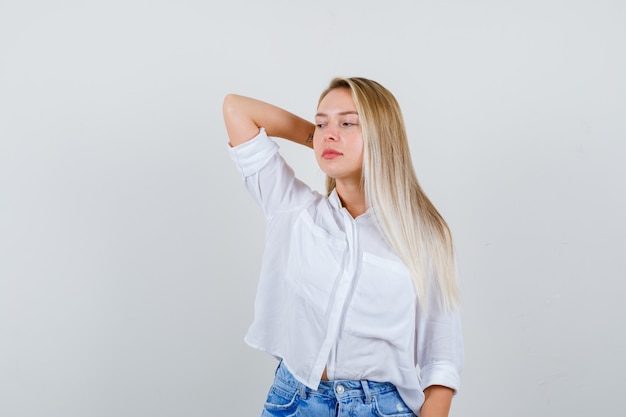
268,178
253,155
439,348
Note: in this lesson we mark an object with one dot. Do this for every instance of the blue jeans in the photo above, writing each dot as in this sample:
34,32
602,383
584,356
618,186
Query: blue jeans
289,398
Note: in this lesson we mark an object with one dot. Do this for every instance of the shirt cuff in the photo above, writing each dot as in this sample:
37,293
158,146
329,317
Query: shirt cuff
440,373
252,155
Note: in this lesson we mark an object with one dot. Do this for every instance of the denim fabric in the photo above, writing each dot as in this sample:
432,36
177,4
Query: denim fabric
341,398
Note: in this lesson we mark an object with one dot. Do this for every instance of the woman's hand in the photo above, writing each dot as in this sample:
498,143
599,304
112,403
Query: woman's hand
437,401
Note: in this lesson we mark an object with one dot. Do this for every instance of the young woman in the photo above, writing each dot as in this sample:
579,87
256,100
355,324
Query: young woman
357,295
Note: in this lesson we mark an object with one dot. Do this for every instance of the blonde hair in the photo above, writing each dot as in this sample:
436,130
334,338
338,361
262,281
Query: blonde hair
406,217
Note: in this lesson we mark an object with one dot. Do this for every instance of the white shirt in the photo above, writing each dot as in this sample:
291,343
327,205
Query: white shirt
332,293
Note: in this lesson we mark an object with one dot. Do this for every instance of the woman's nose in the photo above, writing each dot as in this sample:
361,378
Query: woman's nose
330,135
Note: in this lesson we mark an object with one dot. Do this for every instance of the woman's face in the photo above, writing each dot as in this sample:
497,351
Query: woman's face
338,142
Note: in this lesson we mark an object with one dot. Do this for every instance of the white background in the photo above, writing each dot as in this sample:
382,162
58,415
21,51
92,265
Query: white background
129,249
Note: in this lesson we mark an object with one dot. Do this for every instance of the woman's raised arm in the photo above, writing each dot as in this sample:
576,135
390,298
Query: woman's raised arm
244,116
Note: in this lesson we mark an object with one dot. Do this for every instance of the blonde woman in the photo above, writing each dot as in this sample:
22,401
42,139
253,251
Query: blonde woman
357,295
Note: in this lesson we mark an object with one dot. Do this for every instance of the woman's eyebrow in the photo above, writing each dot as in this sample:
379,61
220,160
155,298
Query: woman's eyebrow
342,113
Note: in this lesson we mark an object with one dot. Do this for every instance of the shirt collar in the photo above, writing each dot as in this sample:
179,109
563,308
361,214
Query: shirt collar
333,197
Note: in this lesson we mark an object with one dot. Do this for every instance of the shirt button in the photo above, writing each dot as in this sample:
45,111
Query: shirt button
340,389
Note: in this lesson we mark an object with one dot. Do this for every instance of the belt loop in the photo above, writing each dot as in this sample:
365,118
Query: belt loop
366,391
303,393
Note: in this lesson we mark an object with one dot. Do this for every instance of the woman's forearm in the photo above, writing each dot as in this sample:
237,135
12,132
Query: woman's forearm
437,401
244,116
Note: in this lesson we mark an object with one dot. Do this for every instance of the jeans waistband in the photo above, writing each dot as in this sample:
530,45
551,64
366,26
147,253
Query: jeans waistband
340,388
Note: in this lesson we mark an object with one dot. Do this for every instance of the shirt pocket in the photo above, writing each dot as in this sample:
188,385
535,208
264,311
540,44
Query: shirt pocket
315,262
383,304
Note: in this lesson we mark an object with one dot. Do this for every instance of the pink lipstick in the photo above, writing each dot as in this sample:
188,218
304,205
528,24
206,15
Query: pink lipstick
330,154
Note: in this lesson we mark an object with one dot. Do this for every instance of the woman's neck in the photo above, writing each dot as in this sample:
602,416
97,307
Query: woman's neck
352,197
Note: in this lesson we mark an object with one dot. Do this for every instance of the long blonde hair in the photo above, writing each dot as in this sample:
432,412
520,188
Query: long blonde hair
406,217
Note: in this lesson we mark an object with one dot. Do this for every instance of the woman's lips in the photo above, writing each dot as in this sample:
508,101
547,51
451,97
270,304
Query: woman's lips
330,154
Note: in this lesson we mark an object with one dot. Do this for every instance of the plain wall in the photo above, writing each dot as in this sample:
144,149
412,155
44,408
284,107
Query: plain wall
129,250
